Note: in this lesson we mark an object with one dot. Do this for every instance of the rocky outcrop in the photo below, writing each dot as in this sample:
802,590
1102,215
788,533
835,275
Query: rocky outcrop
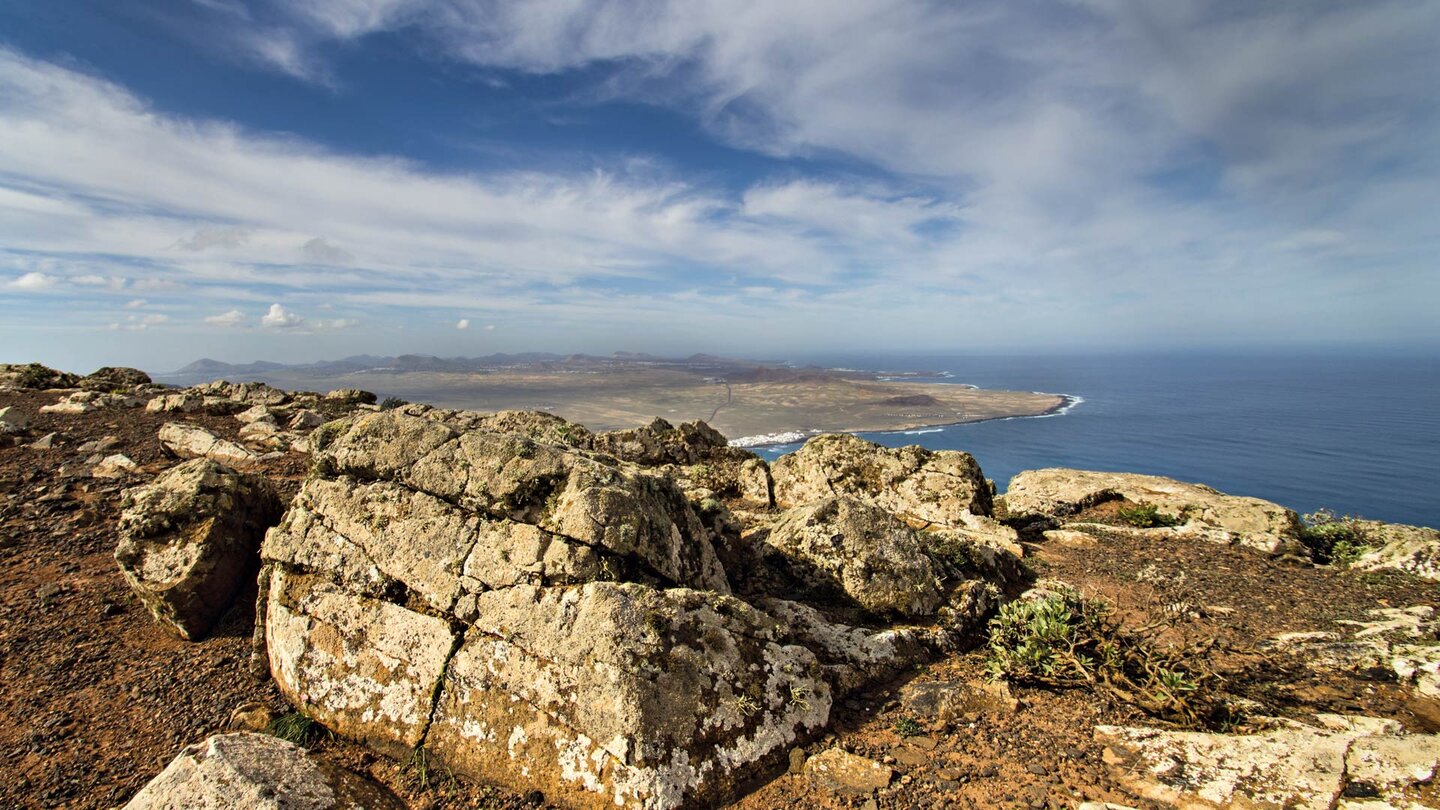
1286,764
244,770
188,539
1050,495
1397,643
115,378
35,376
925,487
550,616
1413,549
192,441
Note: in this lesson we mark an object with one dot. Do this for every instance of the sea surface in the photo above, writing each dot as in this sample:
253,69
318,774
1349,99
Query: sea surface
1356,434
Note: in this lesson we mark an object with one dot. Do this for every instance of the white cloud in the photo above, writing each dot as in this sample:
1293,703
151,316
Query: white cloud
281,318
489,327
336,323
33,281
232,318
463,323
136,303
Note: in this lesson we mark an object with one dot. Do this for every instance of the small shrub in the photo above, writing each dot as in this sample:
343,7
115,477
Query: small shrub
391,403
420,774
297,728
908,727
1064,639
1146,515
1335,539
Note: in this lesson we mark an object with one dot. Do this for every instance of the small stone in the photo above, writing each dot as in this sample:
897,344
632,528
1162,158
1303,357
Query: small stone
251,717
46,442
1037,769
847,773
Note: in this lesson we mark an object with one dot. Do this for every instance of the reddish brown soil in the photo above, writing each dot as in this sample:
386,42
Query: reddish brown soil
97,698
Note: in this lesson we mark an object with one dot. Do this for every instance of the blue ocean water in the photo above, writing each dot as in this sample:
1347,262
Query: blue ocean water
1356,434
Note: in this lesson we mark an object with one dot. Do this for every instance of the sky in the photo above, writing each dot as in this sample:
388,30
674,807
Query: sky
296,180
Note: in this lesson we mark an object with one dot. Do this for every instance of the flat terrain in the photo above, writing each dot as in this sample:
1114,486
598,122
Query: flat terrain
625,396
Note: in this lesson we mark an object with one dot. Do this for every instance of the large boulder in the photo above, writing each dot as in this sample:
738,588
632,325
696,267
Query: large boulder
927,488
189,538
257,772
661,443
192,441
1205,513
544,616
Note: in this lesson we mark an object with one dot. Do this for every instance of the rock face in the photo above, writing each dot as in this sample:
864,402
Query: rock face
551,616
35,376
1290,764
850,548
188,539
1049,494
244,770
925,487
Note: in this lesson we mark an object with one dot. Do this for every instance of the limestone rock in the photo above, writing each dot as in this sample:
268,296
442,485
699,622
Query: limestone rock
68,407
192,441
755,483
305,419
245,770
188,539
256,413
538,612
1287,764
1206,513
923,487
115,466
46,442
351,395
12,420
661,443
111,378
1403,643
181,403
944,703
1414,549
843,772
845,547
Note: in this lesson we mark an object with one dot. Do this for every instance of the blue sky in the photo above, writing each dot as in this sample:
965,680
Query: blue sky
313,178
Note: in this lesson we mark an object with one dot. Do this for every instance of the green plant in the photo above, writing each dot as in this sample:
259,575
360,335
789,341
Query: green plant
908,727
1145,515
420,774
297,728
391,403
1335,539
1065,639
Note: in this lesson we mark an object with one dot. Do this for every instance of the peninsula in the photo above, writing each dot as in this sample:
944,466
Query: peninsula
754,401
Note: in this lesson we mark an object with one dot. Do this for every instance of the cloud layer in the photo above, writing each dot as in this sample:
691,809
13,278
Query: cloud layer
1093,172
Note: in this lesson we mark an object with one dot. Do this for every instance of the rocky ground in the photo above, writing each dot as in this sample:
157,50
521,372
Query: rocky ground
99,697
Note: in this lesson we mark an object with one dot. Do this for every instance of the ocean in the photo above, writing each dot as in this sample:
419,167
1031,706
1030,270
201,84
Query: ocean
1356,434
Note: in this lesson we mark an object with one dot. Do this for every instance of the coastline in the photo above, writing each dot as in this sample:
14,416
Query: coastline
781,438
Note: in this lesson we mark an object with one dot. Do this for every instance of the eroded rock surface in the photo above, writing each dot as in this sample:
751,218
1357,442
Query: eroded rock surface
193,441
1415,549
189,538
1204,513
1288,764
540,612
259,772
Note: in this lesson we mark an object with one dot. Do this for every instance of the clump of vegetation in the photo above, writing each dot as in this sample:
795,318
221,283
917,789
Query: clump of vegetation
908,727
1334,539
297,728
391,403
420,774
1145,515
1064,639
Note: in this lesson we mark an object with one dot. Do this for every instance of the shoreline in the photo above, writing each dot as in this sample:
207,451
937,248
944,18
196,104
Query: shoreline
781,438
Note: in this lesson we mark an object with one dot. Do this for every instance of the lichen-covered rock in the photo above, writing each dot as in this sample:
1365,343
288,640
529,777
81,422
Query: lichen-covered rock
35,376
190,537
1413,549
259,772
843,772
546,615
113,378
193,441
351,395
848,548
1288,764
1056,493
924,487
117,465
661,443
